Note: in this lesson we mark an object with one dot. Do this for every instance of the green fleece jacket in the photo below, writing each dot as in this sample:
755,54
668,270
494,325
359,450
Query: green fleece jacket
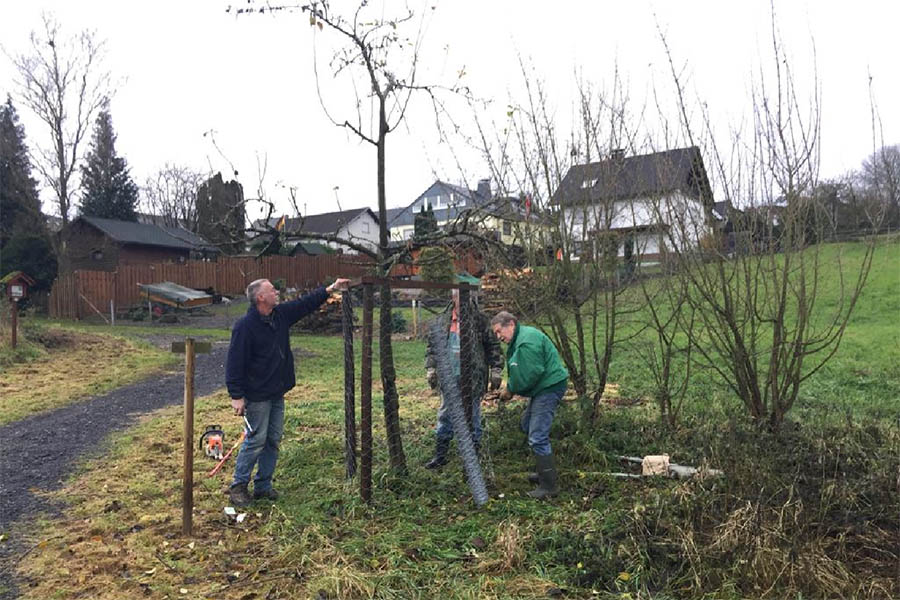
533,364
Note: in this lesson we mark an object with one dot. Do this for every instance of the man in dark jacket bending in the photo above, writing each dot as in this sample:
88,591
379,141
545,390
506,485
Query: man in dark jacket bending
258,372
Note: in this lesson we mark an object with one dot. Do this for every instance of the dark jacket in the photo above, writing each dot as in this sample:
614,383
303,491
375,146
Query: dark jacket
260,364
487,354
533,364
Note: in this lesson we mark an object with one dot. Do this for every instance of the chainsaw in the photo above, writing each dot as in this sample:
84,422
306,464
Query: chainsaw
212,442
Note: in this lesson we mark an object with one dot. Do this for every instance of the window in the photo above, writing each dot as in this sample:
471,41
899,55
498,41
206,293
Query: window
588,183
365,227
97,255
507,228
407,235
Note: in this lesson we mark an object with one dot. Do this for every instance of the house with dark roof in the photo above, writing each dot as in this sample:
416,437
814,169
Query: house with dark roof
646,205
95,244
358,225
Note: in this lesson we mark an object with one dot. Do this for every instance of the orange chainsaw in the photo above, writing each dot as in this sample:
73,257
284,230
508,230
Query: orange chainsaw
212,442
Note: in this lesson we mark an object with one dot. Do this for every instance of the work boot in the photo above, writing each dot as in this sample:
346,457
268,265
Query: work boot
546,472
269,494
239,495
533,478
440,455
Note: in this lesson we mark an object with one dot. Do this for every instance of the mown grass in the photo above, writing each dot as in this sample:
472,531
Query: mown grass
62,364
811,511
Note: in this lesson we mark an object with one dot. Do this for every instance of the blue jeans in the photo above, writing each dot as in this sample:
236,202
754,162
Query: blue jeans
260,448
444,430
537,419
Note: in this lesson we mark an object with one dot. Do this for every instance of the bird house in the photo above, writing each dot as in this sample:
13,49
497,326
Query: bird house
17,284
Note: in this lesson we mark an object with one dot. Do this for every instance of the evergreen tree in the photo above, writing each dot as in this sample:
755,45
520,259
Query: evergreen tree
109,191
20,206
425,223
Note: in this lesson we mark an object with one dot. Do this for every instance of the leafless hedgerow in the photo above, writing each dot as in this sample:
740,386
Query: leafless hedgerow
172,194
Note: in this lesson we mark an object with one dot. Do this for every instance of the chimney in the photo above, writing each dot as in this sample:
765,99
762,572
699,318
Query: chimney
484,189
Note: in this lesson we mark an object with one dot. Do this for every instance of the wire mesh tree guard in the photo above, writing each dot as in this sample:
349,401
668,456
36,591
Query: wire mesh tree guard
459,398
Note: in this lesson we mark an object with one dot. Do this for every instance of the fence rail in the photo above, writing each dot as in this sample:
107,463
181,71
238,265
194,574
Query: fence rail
83,293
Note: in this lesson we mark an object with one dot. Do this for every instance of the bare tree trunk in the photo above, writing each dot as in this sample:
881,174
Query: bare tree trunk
386,351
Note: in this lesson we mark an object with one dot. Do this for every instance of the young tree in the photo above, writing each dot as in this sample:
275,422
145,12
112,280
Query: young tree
108,190
64,83
373,55
20,205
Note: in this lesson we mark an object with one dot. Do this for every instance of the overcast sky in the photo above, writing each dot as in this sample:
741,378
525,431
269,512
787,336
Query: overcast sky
185,68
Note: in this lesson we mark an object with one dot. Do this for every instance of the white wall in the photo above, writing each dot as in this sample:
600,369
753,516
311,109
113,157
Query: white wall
363,230
684,217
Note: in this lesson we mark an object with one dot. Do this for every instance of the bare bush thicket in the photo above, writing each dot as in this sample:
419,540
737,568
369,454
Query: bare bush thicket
764,327
577,293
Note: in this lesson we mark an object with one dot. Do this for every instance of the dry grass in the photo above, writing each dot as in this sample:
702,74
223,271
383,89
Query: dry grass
122,537
74,364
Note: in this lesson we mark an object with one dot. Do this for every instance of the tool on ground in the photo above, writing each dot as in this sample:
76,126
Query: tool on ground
224,458
212,441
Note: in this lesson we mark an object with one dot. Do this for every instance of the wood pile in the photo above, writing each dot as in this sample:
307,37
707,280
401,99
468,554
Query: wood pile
498,287
326,320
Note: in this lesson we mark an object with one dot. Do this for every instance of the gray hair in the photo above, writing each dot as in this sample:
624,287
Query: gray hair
503,319
253,290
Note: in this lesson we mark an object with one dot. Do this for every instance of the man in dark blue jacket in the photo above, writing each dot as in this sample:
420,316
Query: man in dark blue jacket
259,370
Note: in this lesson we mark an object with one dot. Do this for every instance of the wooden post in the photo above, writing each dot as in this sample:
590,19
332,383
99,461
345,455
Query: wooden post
187,500
189,348
365,470
349,386
15,321
112,312
415,318
466,342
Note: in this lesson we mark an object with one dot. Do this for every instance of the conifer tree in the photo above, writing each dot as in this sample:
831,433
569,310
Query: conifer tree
109,191
20,206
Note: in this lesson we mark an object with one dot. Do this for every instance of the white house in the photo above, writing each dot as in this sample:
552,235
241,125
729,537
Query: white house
646,205
503,217
359,225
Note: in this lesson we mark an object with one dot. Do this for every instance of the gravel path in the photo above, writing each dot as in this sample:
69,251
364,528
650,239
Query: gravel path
40,451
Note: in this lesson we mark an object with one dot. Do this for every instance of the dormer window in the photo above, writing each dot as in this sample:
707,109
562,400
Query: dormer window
588,183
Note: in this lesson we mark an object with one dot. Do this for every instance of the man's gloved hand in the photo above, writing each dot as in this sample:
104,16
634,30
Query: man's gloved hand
431,376
505,395
496,378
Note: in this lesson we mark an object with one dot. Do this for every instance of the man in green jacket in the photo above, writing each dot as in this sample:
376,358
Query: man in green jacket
535,370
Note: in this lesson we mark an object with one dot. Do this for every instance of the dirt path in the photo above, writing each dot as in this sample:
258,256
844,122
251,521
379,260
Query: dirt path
40,451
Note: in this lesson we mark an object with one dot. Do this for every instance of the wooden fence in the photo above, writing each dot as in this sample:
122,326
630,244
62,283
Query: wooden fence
85,293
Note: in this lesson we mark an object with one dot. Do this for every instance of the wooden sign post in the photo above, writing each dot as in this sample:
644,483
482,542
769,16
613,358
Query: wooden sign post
189,348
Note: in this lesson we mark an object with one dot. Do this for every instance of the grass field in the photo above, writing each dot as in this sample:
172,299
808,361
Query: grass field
810,512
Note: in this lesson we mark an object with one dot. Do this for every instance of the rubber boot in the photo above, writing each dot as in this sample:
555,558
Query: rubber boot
533,478
546,470
239,495
440,455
